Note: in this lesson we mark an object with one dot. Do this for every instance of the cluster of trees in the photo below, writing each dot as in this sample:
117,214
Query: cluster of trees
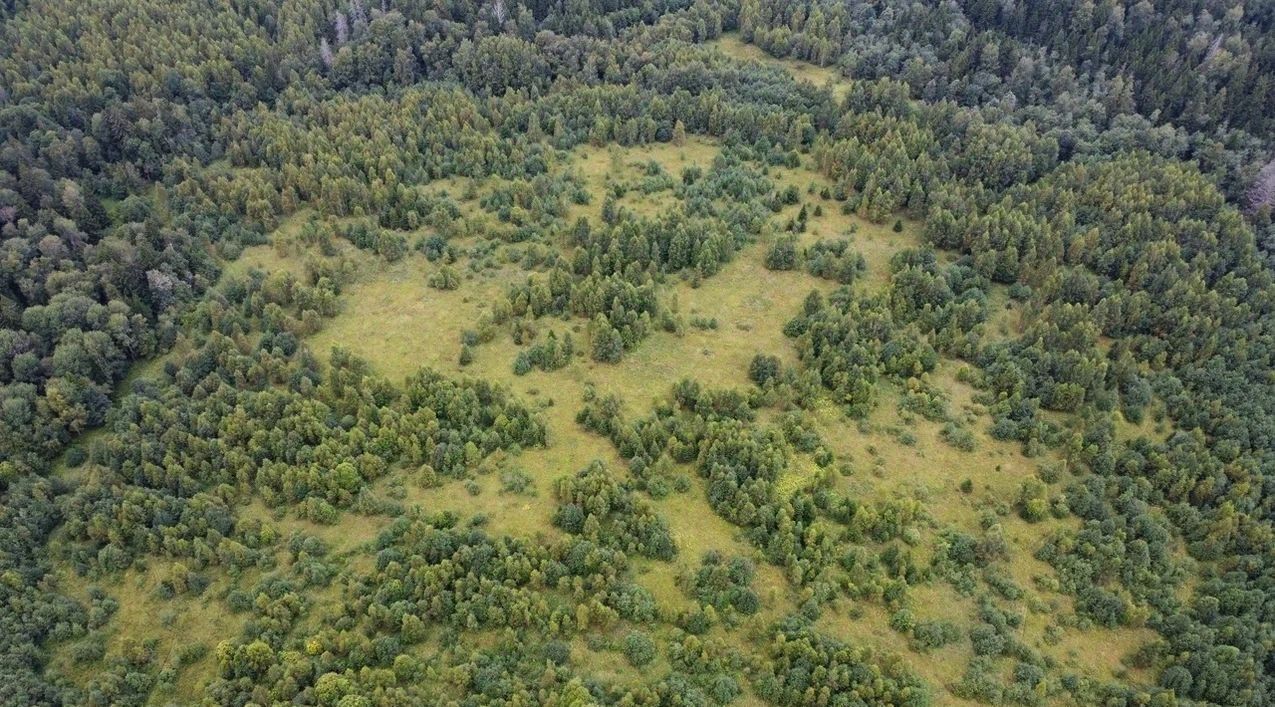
539,201
850,342
238,418
808,668
622,312
435,580
593,505
1103,232
829,544
834,260
434,575
802,30
1148,252
641,247
95,269
725,583
548,355
830,260
613,272
385,243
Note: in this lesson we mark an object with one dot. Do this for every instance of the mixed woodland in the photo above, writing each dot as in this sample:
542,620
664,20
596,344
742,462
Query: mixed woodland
683,352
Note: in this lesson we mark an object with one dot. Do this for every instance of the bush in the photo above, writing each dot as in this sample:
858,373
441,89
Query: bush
522,364
958,437
445,278
516,481
1102,606
782,254
928,635
724,689
987,640
557,652
75,456
608,347
763,369
90,650
639,649
1033,504
902,621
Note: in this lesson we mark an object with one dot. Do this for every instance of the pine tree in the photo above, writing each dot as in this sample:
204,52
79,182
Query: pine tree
608,346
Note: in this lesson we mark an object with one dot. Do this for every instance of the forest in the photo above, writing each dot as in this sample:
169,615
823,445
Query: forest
683,352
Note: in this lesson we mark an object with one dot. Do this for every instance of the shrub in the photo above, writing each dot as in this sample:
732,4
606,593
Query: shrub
928,635
782,254
557,652
639,649
958,437
445,278
763,369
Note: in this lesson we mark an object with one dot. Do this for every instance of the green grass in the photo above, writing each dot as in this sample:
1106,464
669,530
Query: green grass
393,319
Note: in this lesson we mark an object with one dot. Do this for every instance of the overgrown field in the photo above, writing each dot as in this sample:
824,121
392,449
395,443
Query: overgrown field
687,364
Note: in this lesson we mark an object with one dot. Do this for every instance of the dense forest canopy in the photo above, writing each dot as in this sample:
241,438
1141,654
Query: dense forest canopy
692,352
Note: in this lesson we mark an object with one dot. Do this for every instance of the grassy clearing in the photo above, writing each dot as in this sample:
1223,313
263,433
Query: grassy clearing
604,167
351,532
876,242
1097,651
928,469
144,617
392,318
383,322
731,45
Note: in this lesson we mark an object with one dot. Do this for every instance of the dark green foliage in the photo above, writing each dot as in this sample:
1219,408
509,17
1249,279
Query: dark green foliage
763,369
27,516
608,344
958,437
1032,503
782,254
741,463
444,278
639,649
548,355
834,260
725,584
852,342
928,635
317,441
387,244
